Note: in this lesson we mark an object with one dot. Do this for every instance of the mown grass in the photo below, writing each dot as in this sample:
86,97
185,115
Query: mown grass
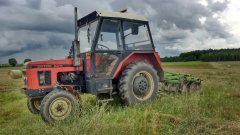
214,110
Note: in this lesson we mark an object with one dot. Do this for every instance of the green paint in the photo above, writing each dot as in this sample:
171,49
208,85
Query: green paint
180,78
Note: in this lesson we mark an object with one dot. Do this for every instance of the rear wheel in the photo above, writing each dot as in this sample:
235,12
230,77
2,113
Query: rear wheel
58,105
138,83
33,105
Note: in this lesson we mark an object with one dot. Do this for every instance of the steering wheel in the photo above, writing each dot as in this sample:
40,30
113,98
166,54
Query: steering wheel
104,46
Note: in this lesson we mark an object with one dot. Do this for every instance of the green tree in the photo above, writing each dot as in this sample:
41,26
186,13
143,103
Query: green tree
12,62
27,60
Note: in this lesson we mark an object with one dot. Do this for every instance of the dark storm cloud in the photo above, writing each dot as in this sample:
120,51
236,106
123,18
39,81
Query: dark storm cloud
7,53
59,41
29,25
218,6
35,4
216,29
35,20
41,25
172,35
28,46
4,3
35,24
175,21
183,14
53,40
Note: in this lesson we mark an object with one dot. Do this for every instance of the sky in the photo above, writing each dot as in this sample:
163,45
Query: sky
43,29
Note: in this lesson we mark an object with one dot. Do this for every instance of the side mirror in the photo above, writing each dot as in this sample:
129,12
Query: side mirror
134,29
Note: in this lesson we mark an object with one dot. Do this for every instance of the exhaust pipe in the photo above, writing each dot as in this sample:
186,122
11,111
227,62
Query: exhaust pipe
76,43
15,74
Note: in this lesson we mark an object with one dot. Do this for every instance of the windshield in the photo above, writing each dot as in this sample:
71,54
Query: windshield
86,35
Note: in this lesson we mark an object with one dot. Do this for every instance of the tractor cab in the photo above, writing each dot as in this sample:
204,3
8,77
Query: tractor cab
106,39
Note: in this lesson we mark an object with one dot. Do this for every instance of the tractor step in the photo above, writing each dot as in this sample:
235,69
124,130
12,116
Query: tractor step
105,90
105,100
114,93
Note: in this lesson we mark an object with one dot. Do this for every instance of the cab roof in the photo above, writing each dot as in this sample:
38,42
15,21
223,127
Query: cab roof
94,15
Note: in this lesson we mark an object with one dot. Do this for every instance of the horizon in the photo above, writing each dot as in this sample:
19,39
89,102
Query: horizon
198,25
22,60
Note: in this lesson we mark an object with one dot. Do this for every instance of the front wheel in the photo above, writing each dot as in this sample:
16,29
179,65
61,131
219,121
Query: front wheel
58,105
33,105
138,83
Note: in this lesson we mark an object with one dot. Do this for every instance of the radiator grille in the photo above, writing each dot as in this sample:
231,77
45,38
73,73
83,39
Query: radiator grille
44,78
24,78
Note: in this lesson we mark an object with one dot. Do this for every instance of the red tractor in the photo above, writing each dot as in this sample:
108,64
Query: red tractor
116,56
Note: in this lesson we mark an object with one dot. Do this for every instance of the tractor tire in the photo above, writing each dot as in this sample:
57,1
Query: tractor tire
33,105
58,105
138,83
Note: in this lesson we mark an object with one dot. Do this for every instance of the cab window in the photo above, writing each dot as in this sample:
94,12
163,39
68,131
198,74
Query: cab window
136,36
109,37
86,36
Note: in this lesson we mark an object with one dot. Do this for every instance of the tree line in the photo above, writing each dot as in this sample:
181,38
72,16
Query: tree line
206,55
13,62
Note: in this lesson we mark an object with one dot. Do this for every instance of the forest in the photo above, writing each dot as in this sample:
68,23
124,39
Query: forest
206,55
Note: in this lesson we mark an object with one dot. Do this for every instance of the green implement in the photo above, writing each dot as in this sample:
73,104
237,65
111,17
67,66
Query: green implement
180,83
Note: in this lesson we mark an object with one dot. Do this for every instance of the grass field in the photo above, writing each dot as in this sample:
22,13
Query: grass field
214,110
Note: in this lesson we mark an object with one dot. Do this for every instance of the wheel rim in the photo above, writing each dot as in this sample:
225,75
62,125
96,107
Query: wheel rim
143,85
37,104
60,108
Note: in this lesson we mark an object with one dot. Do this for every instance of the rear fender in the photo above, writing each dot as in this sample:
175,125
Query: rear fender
151,57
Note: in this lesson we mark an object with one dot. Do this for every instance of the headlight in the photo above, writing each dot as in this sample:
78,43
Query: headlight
41,78
24,77
44,78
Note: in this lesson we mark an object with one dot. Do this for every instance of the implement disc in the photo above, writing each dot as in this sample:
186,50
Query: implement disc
194,86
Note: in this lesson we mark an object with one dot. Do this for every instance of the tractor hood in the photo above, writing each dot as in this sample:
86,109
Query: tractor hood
68,62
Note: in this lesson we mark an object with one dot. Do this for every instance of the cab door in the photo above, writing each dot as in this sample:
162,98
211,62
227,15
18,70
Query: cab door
108,48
